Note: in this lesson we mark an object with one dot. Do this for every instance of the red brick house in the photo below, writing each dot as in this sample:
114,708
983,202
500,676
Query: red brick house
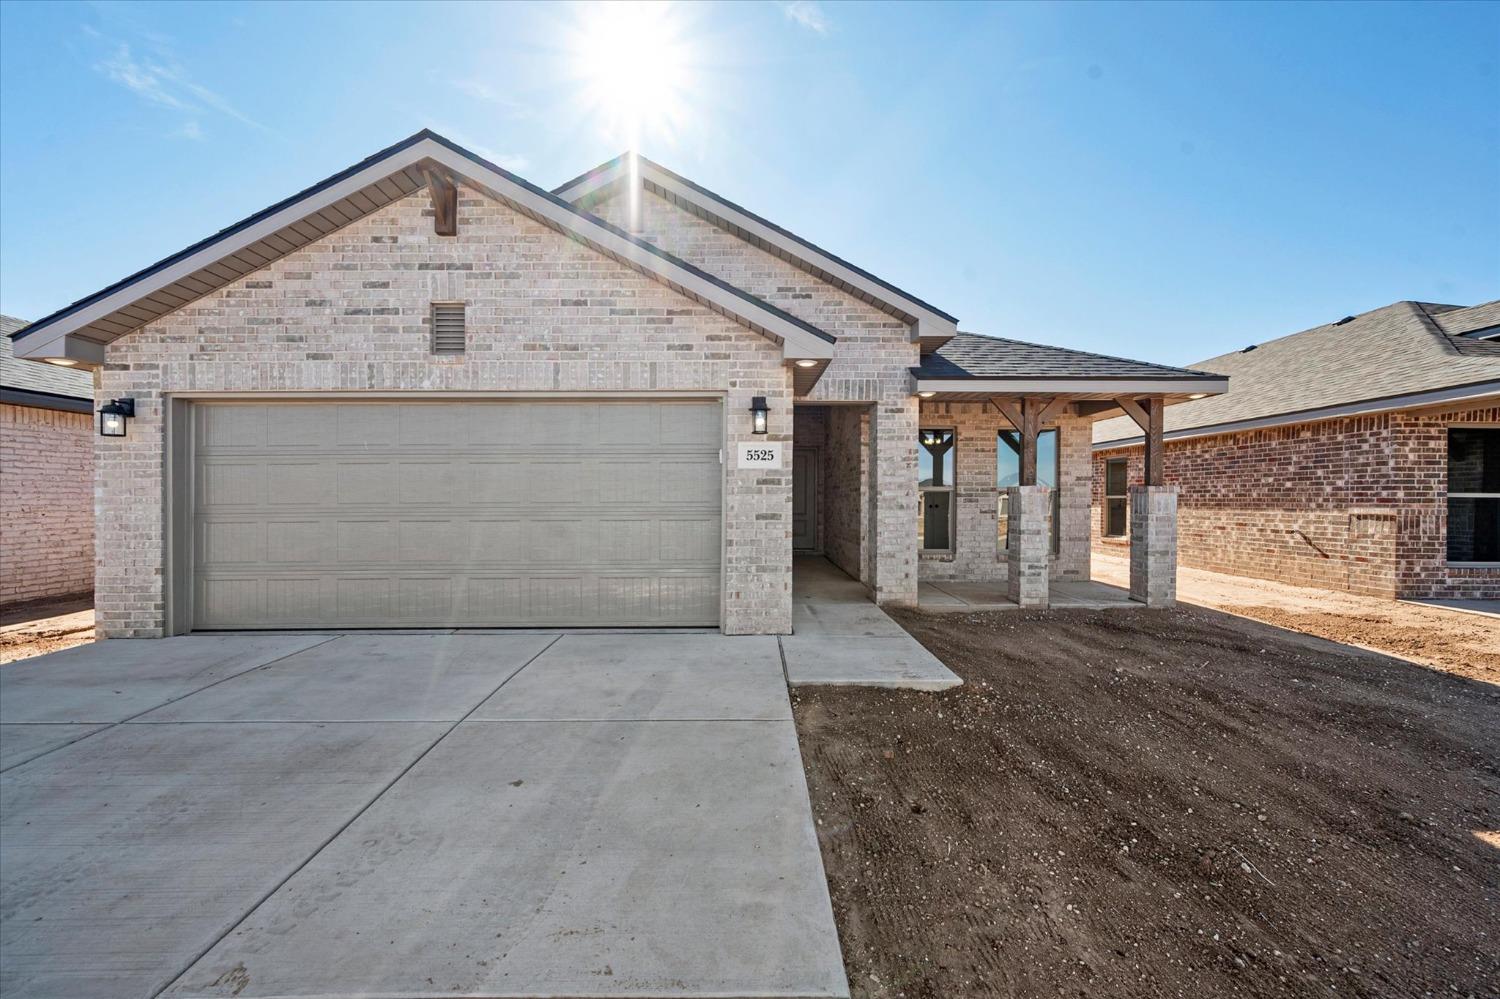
46,478
1362,455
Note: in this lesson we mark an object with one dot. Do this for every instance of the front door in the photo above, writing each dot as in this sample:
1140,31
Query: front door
804,499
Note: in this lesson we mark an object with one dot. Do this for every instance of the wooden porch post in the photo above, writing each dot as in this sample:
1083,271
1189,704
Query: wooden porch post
1149,416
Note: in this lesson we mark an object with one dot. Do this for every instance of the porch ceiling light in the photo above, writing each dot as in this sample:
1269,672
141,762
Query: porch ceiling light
61,362
759,412
925,395
114,415
807,362
1198,395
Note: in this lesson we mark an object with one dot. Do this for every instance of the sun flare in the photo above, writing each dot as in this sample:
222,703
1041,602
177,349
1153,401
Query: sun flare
635,65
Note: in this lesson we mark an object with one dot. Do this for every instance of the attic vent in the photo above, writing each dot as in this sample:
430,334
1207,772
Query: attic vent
447,327
1346,319
1249,348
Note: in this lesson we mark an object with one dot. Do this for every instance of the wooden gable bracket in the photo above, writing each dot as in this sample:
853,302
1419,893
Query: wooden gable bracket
444,202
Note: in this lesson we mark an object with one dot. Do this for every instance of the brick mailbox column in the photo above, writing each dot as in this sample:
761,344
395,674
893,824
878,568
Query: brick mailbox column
1153,545
1029,545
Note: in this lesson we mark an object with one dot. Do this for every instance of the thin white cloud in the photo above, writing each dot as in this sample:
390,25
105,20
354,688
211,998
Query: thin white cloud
808,14
514,162
161,80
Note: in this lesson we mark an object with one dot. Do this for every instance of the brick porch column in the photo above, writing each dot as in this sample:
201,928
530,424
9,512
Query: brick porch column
1028,539
1153,545
892,531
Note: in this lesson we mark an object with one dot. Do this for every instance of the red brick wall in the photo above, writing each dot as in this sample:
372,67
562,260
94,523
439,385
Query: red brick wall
1356,504
46,503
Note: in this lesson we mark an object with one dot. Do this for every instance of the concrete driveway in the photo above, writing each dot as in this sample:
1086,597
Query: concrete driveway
408,815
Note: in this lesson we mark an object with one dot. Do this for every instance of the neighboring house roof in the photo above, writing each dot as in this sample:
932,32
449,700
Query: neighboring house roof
980,364
80,330
45,386
1394,357
929,323
1474,331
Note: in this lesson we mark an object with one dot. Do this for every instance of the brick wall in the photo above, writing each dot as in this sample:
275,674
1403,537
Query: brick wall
1357,503
846,491
351,313
870,365
46,504
979,553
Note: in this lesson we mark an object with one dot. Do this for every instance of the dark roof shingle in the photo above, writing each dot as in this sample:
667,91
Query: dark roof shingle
34,376
1400,349
972,355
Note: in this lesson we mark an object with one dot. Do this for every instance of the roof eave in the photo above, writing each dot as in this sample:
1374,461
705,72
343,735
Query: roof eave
928,324
1076,386
55,337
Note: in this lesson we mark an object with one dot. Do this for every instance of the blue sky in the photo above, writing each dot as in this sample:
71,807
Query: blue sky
1166,182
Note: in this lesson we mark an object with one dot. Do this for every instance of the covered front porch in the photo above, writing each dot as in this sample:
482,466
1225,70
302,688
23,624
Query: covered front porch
996,497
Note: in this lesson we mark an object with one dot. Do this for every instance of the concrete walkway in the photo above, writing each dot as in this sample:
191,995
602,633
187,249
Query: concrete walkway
840,637
409,815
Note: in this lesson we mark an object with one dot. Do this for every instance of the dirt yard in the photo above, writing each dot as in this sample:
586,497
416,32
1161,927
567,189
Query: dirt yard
1466,644
28,630
1147,803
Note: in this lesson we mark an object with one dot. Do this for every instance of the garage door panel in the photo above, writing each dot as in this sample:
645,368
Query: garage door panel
468,514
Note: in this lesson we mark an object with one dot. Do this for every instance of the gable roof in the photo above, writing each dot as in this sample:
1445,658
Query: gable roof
929,323
1389,358
977,365
27,383
79,331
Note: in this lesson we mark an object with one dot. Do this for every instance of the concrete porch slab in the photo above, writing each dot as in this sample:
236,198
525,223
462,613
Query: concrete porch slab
959,595
558,859
437,677
125,855
647,678
867,662
112,680
843,620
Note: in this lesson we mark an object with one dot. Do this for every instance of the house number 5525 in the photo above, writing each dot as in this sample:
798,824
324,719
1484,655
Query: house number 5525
760,456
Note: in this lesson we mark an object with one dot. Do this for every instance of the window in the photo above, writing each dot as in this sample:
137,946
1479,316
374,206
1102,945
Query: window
935,487
1008,473
1116,517
447,327
1473,494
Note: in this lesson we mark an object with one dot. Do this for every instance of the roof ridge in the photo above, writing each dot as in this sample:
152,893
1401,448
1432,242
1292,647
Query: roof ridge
1081,353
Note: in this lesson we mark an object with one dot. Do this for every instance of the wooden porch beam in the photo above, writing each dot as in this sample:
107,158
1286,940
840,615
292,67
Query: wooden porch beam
444,202
1008,409
1053,409
1149,414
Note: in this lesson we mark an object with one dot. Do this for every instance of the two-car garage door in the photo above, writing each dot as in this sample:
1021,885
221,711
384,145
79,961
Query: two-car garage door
474,514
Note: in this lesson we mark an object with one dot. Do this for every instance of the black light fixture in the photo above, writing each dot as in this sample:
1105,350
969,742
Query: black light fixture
113,416
758,414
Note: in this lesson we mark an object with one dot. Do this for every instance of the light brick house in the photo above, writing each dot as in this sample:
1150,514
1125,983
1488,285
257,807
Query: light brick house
426,392
1363,455
46,478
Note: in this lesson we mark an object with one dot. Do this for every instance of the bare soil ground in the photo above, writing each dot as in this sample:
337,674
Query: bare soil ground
34,629
1466,644
1159,803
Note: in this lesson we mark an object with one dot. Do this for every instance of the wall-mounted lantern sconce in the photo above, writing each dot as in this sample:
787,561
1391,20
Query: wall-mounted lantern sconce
113,416
759,411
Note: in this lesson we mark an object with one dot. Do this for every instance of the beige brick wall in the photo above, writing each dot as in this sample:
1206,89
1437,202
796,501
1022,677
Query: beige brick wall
46,503
870,365
979,553
350,313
